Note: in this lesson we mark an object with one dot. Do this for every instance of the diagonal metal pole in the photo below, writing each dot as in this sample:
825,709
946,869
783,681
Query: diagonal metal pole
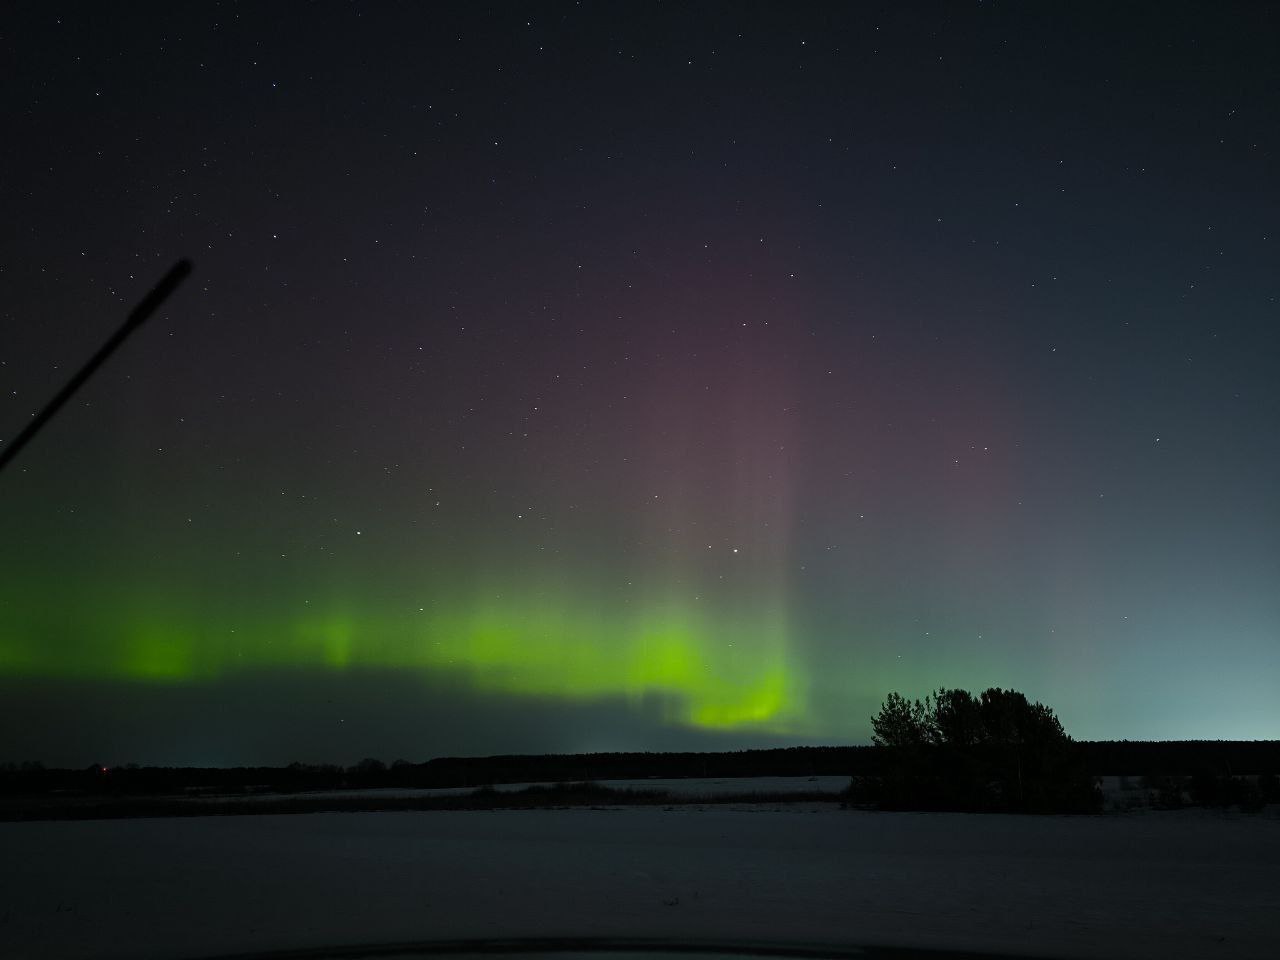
137,316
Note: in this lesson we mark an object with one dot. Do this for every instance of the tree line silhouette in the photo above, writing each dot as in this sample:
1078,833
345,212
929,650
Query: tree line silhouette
952,750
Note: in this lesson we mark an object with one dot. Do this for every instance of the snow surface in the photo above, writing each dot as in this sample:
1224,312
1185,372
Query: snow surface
1149,885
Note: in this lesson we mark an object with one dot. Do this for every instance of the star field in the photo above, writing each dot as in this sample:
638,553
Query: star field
581,376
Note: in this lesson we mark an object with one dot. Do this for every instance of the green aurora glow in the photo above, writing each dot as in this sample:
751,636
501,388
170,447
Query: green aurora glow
590,391
719,671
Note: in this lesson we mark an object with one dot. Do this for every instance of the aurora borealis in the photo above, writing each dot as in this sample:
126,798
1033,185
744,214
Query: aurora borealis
564,377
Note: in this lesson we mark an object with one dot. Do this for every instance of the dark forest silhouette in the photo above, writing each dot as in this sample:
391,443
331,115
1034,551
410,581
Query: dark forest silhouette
1172,773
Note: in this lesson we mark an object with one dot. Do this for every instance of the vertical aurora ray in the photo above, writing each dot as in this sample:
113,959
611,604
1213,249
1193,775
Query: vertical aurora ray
717,456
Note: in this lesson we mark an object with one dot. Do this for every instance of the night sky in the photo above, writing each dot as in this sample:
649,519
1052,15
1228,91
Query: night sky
562,377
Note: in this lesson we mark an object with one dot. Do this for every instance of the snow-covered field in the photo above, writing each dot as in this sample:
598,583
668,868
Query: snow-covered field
1149,885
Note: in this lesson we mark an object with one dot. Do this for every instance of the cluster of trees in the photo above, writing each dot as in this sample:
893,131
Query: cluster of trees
957,751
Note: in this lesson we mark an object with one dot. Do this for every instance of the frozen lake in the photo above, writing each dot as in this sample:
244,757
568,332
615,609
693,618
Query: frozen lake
1150,885
684,786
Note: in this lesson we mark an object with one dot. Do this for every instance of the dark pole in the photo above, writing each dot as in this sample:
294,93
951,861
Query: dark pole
159,293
